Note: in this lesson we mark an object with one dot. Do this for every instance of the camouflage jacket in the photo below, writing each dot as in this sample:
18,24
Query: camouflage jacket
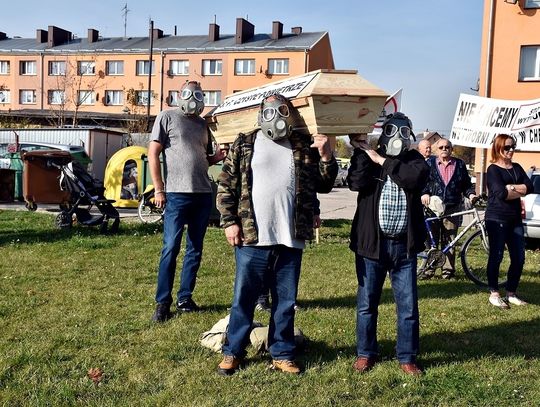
235,185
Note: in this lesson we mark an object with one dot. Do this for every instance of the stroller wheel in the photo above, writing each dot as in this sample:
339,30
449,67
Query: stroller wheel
64,220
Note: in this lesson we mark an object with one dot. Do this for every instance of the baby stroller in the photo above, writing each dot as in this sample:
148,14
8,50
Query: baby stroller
86,191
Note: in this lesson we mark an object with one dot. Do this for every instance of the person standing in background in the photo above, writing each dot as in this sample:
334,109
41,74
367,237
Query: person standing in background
450,181
507,182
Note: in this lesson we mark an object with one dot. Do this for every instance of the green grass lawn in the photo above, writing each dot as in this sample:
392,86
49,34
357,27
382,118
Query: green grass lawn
71,301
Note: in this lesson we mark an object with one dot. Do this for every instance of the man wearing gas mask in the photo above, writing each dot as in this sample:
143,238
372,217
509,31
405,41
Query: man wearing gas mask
184,192
266,197
387,233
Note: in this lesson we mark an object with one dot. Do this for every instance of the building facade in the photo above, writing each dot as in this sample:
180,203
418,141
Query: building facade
107,81
510,61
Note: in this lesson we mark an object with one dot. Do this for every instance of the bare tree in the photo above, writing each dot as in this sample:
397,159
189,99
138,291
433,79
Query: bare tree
74,86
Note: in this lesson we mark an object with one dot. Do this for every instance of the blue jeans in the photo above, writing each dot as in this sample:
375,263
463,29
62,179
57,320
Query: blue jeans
500,233
281,266
371,275
193,210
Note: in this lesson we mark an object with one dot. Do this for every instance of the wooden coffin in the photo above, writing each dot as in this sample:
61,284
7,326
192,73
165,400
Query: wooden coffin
330,102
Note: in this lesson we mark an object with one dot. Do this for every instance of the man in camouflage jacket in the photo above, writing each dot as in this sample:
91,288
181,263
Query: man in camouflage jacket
266,197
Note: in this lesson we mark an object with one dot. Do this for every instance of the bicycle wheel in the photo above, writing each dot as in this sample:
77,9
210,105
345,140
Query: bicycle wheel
474,258
148,212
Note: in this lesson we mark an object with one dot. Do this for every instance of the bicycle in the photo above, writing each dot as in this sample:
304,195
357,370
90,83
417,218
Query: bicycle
474,252
148,212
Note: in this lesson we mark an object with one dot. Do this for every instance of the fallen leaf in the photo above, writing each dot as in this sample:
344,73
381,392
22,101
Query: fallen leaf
95,374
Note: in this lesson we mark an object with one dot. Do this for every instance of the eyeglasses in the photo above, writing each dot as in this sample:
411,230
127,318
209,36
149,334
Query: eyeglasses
445,147
197,94
510,147
269,113
391,129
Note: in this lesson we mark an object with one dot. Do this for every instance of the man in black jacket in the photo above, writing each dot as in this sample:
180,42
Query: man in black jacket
387,233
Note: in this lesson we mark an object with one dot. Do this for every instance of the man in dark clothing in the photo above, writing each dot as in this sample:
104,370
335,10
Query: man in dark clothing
387,233
450,181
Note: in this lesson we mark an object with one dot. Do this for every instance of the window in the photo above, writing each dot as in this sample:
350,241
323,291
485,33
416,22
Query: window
211,67
4,67
86,68
278,66
532,4
142,98
28,97
143,67
244,67
86,97
56,97
114,67
212,98
173,97
114,97
57,68
529,64
28,68
5,96
179,67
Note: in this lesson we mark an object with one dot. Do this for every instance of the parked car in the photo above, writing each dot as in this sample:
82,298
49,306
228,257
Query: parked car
531,209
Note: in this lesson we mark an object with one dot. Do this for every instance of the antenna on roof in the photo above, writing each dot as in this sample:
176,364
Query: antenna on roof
125,12
215,19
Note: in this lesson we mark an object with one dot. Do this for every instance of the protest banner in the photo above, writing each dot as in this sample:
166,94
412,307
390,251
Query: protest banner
478,120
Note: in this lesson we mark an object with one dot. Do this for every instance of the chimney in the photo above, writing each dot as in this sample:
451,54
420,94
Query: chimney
157,33
41,36
57,36
213,32
244,31
93,35
296,30
277,30
3,36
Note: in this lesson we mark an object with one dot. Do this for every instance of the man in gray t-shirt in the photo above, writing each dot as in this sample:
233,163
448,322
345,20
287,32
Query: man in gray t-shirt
184,191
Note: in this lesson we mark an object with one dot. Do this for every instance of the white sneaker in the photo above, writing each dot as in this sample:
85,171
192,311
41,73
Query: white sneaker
498,302
512,299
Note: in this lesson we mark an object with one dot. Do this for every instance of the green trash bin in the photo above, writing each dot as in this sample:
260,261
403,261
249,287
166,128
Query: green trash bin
17,165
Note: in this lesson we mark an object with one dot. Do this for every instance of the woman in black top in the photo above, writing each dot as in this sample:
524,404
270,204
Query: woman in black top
507,182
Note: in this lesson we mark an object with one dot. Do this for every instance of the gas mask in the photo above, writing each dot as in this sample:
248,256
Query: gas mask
191,100
396,135
275,117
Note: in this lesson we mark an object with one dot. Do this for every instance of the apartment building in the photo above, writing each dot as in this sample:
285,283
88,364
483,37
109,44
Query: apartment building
55,77
510,60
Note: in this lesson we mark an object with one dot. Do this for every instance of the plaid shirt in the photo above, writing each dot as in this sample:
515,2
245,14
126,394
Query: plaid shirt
392,209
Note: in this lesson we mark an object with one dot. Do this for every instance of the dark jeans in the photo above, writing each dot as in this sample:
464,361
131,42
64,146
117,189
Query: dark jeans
193,210
371,275
281,265
499,234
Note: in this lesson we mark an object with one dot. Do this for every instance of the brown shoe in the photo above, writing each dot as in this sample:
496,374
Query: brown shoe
286,366
362,364
411,369
229,365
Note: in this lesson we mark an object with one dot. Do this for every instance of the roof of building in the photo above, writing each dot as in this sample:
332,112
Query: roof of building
186,43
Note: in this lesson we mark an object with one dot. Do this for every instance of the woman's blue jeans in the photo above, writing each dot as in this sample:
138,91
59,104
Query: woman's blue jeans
371,275
280,265
193,210
499,234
